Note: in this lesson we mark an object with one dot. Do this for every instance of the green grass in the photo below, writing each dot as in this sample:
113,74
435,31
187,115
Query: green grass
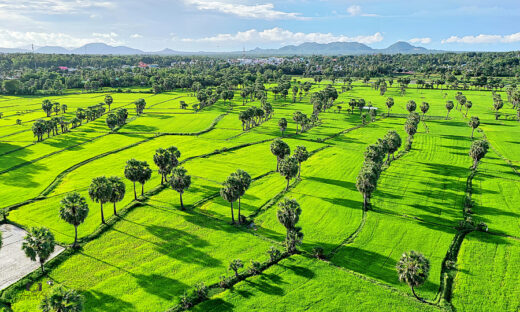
302,284
156,252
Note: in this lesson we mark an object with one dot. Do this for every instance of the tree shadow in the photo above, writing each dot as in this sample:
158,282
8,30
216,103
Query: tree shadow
99,301
160,286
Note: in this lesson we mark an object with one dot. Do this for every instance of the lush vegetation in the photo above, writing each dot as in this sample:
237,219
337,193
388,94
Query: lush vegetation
266,188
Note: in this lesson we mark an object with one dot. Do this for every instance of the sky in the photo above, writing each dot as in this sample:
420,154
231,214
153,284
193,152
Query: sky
231,25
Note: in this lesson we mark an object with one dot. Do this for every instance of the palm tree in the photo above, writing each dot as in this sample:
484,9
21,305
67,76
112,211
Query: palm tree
230,192
244,180
477,151
132,171
289,169
39,242
60,299
180,182
468,105
165,161
424,108
413,269
449,107
282,124
393,141
236,265
118,191
108,100
100,191
145,173
301,154
411,106
474,122
389,104
74,211
288,215
280,149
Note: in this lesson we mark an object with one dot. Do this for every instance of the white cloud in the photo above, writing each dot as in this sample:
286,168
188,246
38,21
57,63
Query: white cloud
13,39
355,10
280,35
52,6
484,39
257,11
136,36
425,40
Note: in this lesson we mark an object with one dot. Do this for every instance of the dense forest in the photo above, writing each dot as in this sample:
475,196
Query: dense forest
28,74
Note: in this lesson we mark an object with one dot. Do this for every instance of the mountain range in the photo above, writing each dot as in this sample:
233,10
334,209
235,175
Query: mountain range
308,48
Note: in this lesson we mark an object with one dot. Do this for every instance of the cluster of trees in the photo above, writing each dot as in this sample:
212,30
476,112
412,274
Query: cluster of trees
40,127
233,188
103,190
117,119
303,121
254,116
368,176
410,126
288,166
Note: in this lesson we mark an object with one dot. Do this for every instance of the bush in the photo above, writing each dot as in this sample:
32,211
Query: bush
318,252
224,281
201,290
255,267
274,254
186,301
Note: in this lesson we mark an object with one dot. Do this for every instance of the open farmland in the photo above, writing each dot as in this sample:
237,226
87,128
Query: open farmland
152,254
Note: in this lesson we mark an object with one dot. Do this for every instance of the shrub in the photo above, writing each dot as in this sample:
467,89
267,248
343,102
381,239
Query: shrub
255,267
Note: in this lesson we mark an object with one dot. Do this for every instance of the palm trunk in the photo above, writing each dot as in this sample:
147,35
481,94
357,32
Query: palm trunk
115,210
75,236
277,163
135,194
162,179
142,189
102,215
447,115
239,219
41,266
299,169
287,187
232,214
182,204
472,131
365,202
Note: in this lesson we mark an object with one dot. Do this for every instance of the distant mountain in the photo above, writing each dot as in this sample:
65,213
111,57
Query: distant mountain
52,50
102,48
13,50
307,48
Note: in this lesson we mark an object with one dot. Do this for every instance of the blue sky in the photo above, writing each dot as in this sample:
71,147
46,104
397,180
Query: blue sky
224,25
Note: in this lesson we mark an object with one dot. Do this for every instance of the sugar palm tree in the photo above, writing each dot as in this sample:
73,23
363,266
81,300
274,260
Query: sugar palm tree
282,124
289,169
118,191
132,170
280,149
244,180
39,243
413,269
60,299
474,122
477,151
449,107
389,104
301,154
74,211
180,182
230,192
108,100
288,215
100,191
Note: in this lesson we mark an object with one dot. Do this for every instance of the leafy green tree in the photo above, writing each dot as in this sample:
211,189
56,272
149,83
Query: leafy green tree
282,124
4,213
244,180
64,108
413,269
235,265
39,243
118,191
39,127
140,105
393,140
108,100
301,154
411,128
112,121
180,182
132,171
165,161
289,169
425,106
60,299
74,211
56,107
474,122
366,181
145,173
230,192
411,106
280,149
100,191
468,105
477,151
449,107
47,107
288,214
